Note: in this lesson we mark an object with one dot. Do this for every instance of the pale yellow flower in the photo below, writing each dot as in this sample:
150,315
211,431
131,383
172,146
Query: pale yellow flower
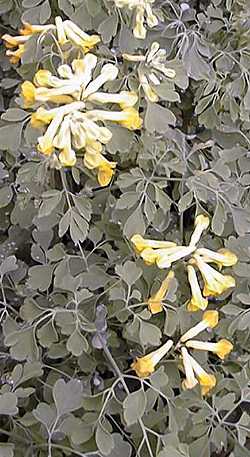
215,283
209,320
197,301
76,125
223,257
201,223
222,348
65,32
140,243
153,68
155,301
165,257
207,381
143,14
145,366
190,382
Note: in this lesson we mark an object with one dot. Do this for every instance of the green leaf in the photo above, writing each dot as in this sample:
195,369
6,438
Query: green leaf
77,343
104,440
7,449
78,227
14,115
45,414
8,404
158,119
67,396
50,201
134,406
6,195
129,272
11,142
134,223
40,277
149,334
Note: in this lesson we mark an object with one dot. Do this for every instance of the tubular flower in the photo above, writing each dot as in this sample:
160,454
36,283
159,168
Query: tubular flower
155,301
222,348
209,320
223,257
65,32
139,243
145,366
190,380
215,283
201,223
72,123
197,301
143,13
207,381
152,70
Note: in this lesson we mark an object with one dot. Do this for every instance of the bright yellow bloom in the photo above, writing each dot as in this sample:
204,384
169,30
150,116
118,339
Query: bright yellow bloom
197,301
28,93
155,301
214,282
140,243
66,31
201,223
190,382
94,160
222,348
145,366
223,257
207,381
168,256
81,126
78,37
209,320
143,13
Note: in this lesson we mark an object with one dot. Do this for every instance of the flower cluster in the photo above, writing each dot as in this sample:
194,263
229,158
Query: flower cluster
152,70
165,253
65,31
68,111
143,13
194,373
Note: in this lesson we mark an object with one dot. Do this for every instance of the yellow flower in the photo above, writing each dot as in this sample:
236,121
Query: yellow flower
28,93
81,127
214,282
139,243
166,257
139,29
155,301
145,366
149,92
207,381
78,37
201,223
94,160
30,29
45,142
143,13
223,257
149,256
197,301
190,382
222,348
209,320
15,56
124,99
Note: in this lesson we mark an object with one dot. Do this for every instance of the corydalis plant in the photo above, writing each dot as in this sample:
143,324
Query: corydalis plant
164,254
78,123
143,14
194,373
65,33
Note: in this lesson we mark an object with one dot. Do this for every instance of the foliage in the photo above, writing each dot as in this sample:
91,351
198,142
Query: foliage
73,292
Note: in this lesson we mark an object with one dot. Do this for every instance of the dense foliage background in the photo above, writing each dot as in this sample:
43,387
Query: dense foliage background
70,284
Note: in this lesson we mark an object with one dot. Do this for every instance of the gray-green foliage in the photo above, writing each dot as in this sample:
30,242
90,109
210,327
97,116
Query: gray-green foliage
71,286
